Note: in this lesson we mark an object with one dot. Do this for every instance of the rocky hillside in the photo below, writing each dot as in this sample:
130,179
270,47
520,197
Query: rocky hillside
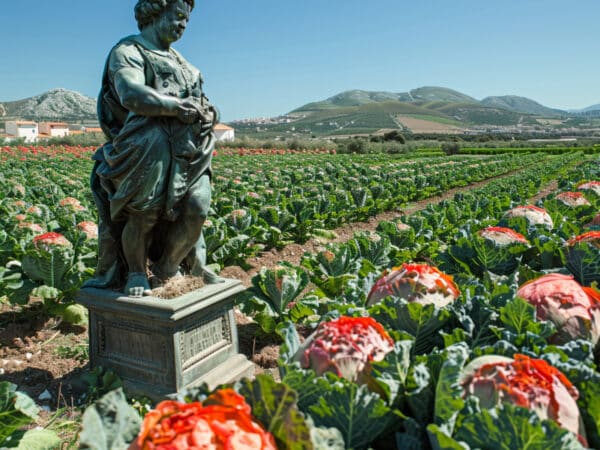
54,105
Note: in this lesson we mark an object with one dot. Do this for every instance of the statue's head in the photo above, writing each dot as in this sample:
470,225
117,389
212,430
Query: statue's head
148,12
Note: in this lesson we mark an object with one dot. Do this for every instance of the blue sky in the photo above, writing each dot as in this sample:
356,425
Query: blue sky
267,57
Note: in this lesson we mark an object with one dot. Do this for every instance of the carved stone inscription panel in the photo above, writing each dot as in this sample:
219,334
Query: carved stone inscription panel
198,342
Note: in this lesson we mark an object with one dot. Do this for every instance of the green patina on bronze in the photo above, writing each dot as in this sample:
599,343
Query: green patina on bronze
151,180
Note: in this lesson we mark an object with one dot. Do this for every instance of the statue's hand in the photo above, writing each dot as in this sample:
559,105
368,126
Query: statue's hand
187,112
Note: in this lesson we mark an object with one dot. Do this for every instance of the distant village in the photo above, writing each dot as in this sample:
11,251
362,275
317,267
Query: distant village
288,118
32,131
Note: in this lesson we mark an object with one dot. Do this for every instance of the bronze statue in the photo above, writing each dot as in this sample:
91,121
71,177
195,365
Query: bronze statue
151,180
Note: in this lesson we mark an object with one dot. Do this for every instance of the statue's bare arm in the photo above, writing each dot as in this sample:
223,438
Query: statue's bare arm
135,96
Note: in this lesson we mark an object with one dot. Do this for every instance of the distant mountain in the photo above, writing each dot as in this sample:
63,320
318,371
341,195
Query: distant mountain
359,98
586,110
477,113
592,108
439,94
428,95
521,105
54,105
364,111
353,98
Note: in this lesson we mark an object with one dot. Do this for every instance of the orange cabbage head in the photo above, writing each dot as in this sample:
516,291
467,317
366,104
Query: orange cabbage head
346,347
222,422
420,283
526,382
574,309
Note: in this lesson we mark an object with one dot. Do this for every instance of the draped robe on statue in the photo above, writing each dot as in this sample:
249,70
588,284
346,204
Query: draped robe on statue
149,164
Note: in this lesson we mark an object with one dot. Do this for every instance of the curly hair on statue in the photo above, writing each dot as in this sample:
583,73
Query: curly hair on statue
147,10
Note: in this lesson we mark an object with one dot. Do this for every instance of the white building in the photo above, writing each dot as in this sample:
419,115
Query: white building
224,133
22,129
53,129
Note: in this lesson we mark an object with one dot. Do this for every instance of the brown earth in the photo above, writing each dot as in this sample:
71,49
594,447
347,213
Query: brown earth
45,357
427,126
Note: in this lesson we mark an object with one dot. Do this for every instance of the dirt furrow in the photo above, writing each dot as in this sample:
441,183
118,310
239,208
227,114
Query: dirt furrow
293,253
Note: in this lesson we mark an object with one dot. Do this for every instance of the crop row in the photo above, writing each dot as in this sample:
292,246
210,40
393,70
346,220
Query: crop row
277,200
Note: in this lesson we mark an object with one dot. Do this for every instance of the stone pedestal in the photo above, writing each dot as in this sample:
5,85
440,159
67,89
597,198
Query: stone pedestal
159,346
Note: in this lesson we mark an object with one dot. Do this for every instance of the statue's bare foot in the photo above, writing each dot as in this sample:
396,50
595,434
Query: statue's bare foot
137,285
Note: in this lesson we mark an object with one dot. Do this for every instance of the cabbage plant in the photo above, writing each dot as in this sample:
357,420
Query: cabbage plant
416,300
534,215
345,346
274,296
334,269
48,258
495,249
574,310
572,199
583,257
524,382
419,283
591,186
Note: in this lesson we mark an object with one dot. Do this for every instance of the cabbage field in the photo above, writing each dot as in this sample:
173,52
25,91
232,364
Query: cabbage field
470,324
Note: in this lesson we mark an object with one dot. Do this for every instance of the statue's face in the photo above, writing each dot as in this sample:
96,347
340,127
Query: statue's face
172,22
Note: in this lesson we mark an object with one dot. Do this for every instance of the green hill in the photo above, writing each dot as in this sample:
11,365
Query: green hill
360,98
439,94
352,98
476,114
521,105
360,111
364,118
